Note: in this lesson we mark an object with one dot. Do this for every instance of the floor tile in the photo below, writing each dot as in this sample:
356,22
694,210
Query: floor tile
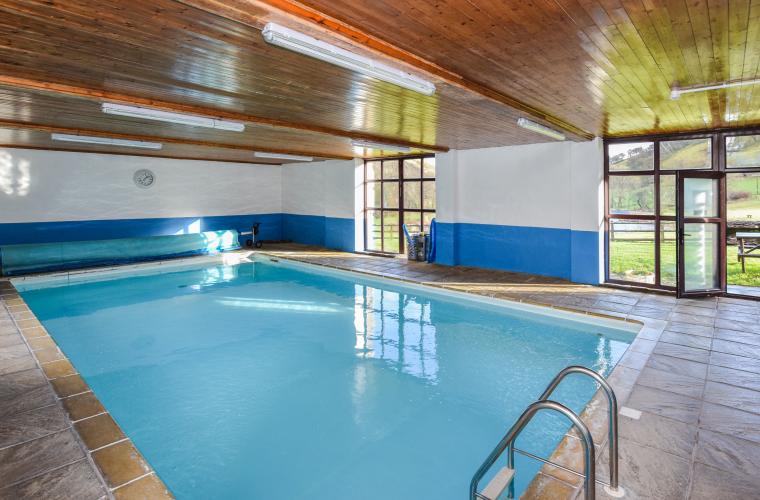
682,352
735,397
737,325
737,423
665,404
649,312
747,380
744,317
692,319
685,339
30,459
695,310
18,364
75,481
32,424
671,382
12,352
647,473
635,360
736,362
727,453
701,330
30,399
17,383
735,336
662,433
712,484
679,366
643,346
748,350
11,339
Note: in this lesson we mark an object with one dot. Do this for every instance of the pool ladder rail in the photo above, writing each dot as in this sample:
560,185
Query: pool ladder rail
504,478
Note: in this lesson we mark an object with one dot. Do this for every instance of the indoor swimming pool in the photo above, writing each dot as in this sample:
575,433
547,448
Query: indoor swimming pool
272,379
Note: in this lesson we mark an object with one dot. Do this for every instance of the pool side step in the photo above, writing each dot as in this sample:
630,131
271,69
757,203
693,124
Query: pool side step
498,484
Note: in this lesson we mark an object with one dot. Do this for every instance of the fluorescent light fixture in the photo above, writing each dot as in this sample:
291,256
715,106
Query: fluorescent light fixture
278,156
540,129
106,141
676,91
167,116
304,44
380,146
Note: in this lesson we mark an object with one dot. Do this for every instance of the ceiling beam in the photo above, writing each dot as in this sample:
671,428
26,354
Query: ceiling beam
168,140
250,12
115,97
136,153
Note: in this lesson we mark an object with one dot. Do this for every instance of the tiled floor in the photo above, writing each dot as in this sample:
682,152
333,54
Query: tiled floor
40,455
693,372
56,439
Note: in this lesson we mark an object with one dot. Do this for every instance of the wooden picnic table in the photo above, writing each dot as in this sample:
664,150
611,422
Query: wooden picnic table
747,247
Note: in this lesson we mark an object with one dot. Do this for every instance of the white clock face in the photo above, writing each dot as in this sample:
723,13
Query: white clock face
144,178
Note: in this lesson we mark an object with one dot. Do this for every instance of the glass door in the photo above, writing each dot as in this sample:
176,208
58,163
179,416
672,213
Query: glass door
701,219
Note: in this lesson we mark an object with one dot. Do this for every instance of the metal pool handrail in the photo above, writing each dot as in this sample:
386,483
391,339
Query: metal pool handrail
507,443
613,416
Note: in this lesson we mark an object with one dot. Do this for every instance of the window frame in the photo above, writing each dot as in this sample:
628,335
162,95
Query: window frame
717,143
401,209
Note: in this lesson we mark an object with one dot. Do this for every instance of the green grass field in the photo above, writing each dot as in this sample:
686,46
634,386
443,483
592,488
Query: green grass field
634,261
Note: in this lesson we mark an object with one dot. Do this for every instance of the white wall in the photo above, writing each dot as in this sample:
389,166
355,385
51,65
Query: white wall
322,188
524,193
38,186
550,185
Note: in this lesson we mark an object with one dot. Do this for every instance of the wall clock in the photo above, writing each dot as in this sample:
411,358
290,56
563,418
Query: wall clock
144,178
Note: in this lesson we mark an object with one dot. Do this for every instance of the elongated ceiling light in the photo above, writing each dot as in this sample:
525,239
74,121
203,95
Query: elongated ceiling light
540,129
676,91
106,141
379,146
278,156
170,117
304,44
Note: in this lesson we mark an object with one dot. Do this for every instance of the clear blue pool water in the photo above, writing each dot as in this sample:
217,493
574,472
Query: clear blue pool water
264,380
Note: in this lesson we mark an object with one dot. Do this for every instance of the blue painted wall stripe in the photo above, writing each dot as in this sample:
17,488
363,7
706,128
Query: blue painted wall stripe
561,253
331,232
585,257
51,232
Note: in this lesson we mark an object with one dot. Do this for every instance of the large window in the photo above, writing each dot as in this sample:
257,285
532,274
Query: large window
397,191
641,204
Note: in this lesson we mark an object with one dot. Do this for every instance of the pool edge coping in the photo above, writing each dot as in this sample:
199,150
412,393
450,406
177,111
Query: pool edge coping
594,414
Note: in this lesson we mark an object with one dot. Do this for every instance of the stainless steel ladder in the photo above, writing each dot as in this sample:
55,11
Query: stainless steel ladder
504,478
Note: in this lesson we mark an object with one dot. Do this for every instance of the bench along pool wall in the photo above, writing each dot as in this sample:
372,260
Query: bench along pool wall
40,257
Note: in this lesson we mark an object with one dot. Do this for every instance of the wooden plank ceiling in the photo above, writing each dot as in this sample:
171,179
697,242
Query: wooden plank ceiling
587,67
607,66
